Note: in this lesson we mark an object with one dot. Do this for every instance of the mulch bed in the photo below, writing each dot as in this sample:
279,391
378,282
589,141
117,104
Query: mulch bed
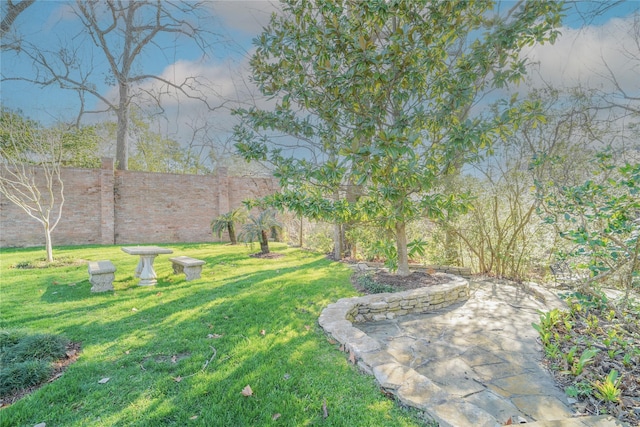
270,255
415,280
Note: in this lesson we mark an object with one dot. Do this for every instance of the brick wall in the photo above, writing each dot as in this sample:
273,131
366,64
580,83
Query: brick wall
103,206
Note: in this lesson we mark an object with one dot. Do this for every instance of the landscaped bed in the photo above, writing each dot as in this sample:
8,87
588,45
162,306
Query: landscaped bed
240,346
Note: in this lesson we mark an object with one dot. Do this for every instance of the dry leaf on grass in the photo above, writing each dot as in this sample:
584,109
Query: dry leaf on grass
195,417
246,392
276,416
332,341
214,336
134,309
325,412
177,379
263,332
174,359
104,380
307,327
352,357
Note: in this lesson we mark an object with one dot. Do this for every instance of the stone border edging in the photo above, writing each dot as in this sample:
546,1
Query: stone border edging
409,386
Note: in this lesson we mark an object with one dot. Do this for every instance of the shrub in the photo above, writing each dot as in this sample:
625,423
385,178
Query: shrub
373,287
10,337
22,375
45,347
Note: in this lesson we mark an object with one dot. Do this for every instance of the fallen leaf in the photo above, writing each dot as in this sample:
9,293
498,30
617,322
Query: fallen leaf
210,336
158,294
287,376
174,359
246,392
127,352
134,309
332,341
342,347
276,416
71,353
325,412
72,284
352,357
177,379
195,417
40,425
104,380
263,332
509,422
307,327
210,325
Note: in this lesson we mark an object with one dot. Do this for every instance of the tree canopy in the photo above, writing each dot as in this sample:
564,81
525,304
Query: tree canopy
383,97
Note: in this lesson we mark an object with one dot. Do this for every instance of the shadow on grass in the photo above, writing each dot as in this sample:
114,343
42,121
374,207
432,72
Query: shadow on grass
255,328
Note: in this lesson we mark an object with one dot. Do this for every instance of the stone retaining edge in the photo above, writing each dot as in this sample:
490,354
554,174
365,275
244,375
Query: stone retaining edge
407,385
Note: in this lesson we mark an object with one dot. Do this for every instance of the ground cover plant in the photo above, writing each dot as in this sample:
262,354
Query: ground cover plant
240,346
594,354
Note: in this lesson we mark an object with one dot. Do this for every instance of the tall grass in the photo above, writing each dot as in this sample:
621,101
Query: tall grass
180,353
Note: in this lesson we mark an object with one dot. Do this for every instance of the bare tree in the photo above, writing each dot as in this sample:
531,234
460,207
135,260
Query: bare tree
625,94
30,172
10,12
122,33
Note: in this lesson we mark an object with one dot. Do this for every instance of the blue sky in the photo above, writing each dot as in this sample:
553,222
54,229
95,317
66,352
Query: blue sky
576,57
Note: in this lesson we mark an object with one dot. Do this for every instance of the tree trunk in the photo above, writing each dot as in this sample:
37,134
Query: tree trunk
264,242
301,229
337,242
48,243
232,233
401,245
122,142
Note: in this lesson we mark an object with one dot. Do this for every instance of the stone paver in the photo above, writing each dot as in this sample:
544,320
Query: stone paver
474,363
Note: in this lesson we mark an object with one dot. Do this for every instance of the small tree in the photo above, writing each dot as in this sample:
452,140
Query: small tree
259,227
226,222
30,175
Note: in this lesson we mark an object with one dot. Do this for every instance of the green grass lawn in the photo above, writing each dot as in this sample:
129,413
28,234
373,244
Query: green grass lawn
180,353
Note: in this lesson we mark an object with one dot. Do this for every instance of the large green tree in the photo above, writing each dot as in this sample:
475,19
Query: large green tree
384,97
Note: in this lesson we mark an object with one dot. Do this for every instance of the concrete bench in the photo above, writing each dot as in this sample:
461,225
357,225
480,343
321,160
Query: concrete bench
101,275
191,267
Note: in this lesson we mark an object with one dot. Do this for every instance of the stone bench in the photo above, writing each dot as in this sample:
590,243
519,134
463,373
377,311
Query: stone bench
191,267
101,275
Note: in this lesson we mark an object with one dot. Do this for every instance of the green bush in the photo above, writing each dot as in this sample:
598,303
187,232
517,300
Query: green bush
10,337
45,347
18,376
373,287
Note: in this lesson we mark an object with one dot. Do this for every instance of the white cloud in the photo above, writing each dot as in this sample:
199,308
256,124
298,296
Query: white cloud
579,55
249,16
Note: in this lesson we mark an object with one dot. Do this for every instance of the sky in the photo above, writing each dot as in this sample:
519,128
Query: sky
576,58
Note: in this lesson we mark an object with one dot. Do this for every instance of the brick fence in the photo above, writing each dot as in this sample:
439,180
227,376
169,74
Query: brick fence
103,206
